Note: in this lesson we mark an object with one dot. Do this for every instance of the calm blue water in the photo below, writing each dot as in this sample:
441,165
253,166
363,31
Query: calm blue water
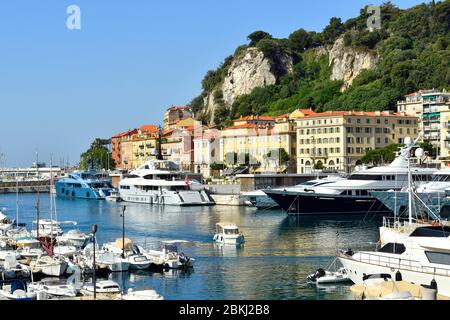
279,252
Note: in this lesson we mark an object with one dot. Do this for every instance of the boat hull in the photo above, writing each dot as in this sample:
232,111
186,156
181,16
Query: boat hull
327,204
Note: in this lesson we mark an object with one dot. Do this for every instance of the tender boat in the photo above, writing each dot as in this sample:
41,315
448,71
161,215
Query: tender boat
114,196
160,182
328,277
228,233
90,184
133,294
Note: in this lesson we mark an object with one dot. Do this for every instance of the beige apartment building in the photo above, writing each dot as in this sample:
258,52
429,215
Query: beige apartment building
432,108
338,140
262,137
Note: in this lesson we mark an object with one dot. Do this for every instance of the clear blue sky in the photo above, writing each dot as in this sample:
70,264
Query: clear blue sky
131,60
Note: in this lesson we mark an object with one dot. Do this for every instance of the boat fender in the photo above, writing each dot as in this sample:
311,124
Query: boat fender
433,285
398,276
349,252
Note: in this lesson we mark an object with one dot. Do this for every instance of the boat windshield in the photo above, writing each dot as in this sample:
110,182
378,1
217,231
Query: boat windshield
441,178
231,231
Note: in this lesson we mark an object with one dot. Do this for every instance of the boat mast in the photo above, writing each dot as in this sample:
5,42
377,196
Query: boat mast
38,202
17,202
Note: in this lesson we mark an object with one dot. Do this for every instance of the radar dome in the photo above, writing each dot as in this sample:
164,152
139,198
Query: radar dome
419,152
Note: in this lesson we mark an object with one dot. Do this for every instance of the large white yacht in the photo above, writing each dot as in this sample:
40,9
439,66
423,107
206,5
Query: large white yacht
352,195
421,257
434,195
160,182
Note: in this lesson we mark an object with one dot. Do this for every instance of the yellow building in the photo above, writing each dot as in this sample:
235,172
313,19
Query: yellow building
262,138
140,148
338,140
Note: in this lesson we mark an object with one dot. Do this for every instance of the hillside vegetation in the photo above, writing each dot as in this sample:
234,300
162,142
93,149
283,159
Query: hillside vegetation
413,49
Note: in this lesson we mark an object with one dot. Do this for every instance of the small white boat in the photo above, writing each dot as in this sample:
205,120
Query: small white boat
102,286
47,228
29,247
141,295
13,269
17,290
5,223
53,288
111,261
324,277
228,233
131,254
168,257
65,250
74,238
114,196
50,266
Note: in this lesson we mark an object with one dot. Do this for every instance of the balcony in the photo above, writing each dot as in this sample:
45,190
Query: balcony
316,154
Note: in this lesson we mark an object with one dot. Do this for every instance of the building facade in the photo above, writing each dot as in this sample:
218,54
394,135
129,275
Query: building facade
338,140
265,144
206,150
117,147
432,108
174,115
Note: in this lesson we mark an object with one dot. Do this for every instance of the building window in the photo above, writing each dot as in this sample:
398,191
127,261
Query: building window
386,140
367,121
358,120
378,140
378,121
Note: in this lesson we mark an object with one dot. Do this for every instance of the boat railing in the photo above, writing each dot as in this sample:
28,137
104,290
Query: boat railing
398,223
399,263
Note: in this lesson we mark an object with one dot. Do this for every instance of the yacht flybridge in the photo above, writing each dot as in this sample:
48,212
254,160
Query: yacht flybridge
352,195
160,182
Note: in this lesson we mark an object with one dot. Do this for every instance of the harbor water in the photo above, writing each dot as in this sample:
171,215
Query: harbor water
279,252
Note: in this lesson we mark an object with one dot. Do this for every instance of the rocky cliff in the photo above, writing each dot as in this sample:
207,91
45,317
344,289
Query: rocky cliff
249,70
347,63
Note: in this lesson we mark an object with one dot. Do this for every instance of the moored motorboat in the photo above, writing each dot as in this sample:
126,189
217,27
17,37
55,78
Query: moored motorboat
228,233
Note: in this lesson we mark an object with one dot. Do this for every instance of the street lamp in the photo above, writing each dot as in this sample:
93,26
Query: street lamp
123,230
94,231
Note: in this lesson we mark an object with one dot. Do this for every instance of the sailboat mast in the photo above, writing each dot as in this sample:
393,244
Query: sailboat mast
38,201
17,201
